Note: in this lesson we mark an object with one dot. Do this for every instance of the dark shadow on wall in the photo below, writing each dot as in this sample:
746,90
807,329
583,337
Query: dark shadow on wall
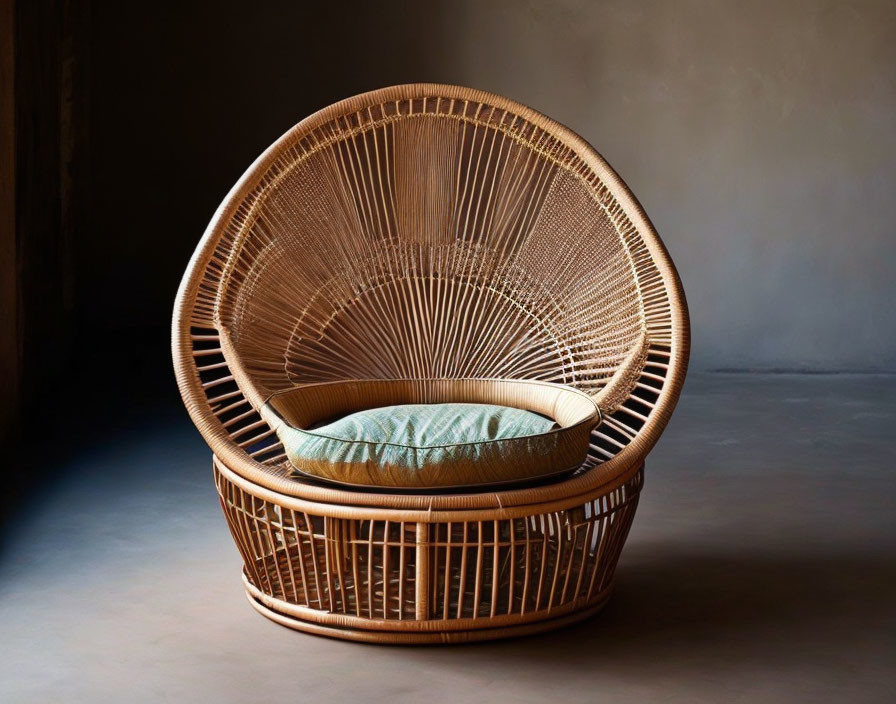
134,120
181,104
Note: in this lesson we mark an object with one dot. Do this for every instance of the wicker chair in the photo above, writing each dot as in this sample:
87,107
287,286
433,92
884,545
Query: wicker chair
429,232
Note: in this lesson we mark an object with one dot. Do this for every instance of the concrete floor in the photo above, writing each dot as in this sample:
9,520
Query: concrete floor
761,567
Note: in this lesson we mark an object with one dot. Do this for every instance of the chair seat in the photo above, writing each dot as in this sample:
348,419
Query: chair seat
439,442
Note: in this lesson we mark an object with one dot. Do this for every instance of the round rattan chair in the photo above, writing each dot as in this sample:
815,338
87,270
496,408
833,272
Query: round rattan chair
429,232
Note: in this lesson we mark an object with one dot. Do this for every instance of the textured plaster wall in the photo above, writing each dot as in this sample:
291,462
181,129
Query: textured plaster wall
759,136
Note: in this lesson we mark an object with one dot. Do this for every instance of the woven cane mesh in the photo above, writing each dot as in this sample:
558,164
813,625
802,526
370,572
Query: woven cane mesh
429,239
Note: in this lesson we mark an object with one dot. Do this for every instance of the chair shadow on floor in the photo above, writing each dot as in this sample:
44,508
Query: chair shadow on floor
671,606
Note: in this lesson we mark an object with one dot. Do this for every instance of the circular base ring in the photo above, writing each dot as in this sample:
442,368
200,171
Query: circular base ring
418,637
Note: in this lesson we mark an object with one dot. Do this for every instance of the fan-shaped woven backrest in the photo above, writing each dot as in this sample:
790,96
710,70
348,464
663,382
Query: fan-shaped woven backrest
428,232
434,236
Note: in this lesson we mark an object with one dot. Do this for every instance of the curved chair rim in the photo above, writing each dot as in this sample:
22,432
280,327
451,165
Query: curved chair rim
612,472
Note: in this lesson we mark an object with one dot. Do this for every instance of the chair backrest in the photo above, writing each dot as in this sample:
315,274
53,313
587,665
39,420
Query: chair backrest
429,231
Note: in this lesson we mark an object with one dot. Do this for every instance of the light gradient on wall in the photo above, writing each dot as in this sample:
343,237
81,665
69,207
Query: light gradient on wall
761,139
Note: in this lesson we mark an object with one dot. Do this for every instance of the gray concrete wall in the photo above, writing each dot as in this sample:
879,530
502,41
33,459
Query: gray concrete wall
759,136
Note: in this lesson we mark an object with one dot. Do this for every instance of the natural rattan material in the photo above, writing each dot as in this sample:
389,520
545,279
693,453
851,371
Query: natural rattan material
518,459
434,232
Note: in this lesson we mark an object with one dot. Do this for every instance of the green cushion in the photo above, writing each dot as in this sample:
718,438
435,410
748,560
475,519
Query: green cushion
432,434
415,435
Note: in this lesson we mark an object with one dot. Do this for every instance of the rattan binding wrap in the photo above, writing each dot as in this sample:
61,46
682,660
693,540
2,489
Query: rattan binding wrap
428,231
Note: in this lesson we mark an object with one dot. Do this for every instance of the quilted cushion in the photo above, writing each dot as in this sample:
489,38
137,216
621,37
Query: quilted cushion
429,439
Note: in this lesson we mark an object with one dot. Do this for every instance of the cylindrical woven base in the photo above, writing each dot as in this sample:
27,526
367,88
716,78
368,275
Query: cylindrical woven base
392,576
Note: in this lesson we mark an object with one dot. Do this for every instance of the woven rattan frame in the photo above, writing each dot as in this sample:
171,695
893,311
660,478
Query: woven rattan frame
433,567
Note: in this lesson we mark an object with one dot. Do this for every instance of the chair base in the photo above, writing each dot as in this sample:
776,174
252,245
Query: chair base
424,633
382,575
